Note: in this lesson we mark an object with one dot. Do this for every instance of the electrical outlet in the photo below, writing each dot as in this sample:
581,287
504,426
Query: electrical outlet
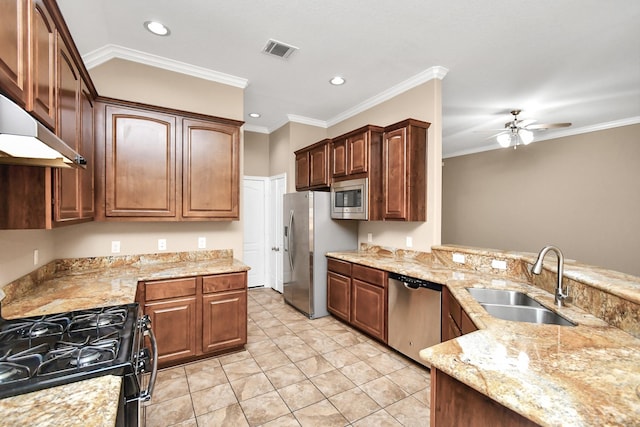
499,264
35,257
459,258
162,244
369,237
115,247
202,242
409,241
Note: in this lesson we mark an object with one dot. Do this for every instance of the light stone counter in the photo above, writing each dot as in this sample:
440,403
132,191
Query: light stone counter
587,375
83,283
89,403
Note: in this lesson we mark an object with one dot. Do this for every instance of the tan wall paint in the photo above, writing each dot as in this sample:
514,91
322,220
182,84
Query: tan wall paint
423,103
256,154
279,152
579,193
135,82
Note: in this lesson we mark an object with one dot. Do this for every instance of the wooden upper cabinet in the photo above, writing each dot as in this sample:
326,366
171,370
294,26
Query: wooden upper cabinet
302,170
14,50
43,51
87,150
358,158
339,158
319,165
140,163
404,152
67,188
312,166
210,161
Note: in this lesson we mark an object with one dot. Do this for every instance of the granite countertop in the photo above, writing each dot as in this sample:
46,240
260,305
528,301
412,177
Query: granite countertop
88,403
587,375
83,283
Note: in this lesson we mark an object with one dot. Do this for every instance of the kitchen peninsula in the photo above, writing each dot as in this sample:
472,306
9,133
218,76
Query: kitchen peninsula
584,375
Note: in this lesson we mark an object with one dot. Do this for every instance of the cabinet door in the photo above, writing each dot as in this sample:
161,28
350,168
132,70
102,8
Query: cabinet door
339,295
140,160
302,170
14,49
224,320
67,181
87,150
174,325
319,166
43,48
358,154
369,308
339,158
210,183
394,176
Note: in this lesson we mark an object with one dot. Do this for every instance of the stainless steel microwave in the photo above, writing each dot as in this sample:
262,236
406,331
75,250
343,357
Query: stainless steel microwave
349,199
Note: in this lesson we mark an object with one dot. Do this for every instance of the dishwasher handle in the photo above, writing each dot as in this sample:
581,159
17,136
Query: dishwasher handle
414,283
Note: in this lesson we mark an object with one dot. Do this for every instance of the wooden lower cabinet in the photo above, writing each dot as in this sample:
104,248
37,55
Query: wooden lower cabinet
455,321
454,404
357,295
196,317
224,321
339,295
174,325
369,308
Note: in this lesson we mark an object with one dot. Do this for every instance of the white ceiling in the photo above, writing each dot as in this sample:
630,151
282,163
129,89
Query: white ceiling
559,61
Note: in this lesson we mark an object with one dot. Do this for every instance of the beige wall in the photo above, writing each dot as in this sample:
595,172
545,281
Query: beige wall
579,193
256,154
423,103
135,82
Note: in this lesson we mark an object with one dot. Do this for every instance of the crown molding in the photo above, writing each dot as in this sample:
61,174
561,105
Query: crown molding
435,72
257,129
111,51
307,121
555,135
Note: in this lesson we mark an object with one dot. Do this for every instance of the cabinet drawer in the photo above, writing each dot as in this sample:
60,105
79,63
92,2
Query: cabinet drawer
173,288
368,274
340,267
223,282
452,306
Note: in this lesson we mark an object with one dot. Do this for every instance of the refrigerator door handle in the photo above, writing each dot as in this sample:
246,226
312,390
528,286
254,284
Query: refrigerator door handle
289,239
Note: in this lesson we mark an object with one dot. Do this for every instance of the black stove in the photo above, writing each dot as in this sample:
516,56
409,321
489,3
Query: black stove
46,351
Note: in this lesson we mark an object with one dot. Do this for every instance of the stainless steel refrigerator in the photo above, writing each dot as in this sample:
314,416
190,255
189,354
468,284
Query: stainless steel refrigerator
309,233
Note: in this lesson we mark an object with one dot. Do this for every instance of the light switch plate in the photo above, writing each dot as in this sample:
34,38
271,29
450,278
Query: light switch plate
459,258
115,247
409,241
162,244
35,257
369,237
202,242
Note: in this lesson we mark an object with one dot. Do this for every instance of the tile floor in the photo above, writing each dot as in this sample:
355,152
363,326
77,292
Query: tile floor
294,372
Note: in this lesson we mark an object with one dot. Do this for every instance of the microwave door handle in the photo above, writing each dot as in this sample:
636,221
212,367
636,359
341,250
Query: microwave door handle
290,247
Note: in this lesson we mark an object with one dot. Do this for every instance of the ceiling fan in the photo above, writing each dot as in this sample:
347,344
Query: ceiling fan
520,131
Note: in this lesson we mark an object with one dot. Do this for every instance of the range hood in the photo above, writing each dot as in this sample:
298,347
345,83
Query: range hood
25,141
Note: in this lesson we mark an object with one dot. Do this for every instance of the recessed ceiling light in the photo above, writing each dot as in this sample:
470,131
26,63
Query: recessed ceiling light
157,28
254,115
337,81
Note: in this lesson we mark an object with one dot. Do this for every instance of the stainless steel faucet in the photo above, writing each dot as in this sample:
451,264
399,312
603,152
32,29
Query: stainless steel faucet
537,269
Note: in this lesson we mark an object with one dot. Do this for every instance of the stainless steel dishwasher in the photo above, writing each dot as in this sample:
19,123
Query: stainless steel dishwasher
413,310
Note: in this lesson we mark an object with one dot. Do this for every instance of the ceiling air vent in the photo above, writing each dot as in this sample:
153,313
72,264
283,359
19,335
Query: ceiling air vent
279,49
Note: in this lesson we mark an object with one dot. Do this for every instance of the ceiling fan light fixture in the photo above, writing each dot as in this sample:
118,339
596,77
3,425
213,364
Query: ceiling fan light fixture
504,140
526,136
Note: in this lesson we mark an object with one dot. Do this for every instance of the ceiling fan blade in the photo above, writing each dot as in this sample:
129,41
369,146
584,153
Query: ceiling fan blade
525,123
548,126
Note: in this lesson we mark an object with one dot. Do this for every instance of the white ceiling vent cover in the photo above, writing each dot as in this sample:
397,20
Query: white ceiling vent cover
279,49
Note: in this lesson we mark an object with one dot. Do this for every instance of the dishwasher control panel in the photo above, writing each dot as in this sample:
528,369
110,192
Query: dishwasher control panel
414,283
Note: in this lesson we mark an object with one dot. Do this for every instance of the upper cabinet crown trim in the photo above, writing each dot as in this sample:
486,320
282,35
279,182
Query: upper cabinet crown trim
111,51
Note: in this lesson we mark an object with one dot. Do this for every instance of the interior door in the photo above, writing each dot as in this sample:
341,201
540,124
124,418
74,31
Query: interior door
277,187
255,226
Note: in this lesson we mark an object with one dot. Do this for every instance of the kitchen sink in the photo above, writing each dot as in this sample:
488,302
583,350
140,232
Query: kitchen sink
504,297
516,306
521,313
